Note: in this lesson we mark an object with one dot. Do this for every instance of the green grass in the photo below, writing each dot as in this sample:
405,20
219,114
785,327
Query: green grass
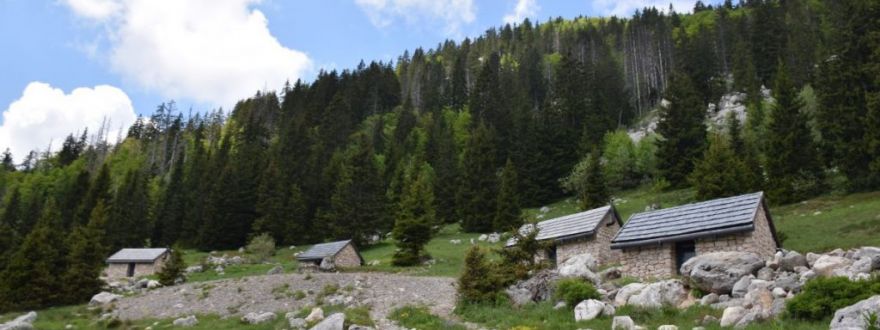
420,318
626,202
830,222
283,256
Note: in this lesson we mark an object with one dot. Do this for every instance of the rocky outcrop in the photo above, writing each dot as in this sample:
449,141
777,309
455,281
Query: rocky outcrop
829,265
23,322
718,271
854,317
588,309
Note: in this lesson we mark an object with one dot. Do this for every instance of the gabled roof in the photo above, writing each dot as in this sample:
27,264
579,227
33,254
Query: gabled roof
571,226
714,217
136,255
323,250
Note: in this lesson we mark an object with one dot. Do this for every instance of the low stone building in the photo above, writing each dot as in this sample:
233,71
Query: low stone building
136,262
655,244
585,232
341,253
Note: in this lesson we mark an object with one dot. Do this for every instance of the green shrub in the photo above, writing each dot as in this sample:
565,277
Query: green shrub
173,269
822,296
479,283
261,247
575,290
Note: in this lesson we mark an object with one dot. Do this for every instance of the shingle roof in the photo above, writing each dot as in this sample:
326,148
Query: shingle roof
323,250
136,255
570,226
714,217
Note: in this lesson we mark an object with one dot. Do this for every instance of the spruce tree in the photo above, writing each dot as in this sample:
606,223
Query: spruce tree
85,259
415,216
719,173
479,281
99,190
6,163
682,130
476,194
594,192
793,170
508,212
128,224
173,268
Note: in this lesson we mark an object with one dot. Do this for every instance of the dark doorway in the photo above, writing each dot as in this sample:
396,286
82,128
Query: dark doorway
683,251
551,254
130,272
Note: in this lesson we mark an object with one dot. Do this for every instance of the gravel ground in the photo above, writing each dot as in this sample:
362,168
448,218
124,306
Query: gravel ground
276,293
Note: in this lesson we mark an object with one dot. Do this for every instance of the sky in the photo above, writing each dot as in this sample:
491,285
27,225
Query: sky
71,65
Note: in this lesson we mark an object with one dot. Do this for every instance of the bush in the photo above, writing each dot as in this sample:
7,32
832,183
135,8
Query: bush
173,269
822,296
479,283
262,247
575,290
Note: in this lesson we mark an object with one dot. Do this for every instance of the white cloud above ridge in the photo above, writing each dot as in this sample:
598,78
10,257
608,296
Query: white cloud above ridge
45,114
213,52
452,14
523,9
625,8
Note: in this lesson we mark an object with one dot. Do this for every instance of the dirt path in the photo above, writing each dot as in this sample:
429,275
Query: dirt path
277,293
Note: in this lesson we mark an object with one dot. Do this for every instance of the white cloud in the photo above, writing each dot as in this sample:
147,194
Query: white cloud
624,8
523,9
44,114
215,52
452,14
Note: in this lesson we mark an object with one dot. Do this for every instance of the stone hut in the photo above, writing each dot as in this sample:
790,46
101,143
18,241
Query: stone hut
655,244
585,232
136,262
341,253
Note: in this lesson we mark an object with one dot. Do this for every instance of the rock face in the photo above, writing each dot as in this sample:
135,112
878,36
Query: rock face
258,318
669,292
332,322
23,322
829,265
104,298
853,317
718,271
188,321
588,310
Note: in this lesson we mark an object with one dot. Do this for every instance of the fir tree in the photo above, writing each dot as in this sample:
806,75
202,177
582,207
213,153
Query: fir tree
415,216
173,269
172,207
128,224
683,133
478,185
520,260
508,214
719,173
793,169
594,191
99,190
86,259
478,282
6,163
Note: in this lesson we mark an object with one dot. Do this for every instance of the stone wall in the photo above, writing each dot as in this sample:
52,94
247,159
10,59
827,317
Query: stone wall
648,262
759,241
598,245
347,257
119,270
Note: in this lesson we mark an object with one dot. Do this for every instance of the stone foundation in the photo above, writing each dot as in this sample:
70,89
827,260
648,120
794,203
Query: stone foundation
347,257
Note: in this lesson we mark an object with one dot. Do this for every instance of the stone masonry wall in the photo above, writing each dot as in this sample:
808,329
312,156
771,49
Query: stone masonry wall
759,241
599,245
648,262
119,270
347,257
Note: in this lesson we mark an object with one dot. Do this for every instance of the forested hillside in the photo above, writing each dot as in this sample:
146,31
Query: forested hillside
468,131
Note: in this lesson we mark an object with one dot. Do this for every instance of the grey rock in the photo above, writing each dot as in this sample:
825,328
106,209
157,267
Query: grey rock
333,322
258,318
360,327
541,285
152,284
778,307
627,291
811,258
667,327
766,274
23,322
275,270
791,260
709,320
788,281
732,315
189,321
609,310
747,319
779,292
853,317
327,265
718,271
611,273
581,265
194,269
297,323
863,265
709,299
519,296
104,298
741,287
829,265
588,309
560,305
867,251
493,238
622,323
315,315
657,294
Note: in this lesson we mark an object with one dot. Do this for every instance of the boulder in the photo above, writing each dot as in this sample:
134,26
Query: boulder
540,286
779,292
811,258
297,323
560,305
657,294
189,321
627,291
327,265
718,271
275,270
609,310
581,265
622,323
23,322
791,260
789,282
258,318
152,284
667,327
732,315
750,317
335,321
766,274
194,269
853,317
611,273
519,296
741,287
493,238
709,299
863,265
760,300
104,298
588,309
315,315
867,251
359,327
829,265
483,237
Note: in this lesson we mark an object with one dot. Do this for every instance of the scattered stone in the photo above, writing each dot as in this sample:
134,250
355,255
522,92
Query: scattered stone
327,265
709,299
258,318
622,323
275,270
315,315
483,237
829,265
765,274
493,238
545,209
779,292
188,321
718,271
627,291
588,310
581,265
741,287
560,305
359,327
667,327
333,322
709,320
791,260
297,323
657,294
811,258
853,317
104,298
455,241
194,269
540,286
732,315
519,296
152,284
863,265
23,322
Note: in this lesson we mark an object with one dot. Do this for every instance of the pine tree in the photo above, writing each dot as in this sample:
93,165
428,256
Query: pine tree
415,216
171,207
99,190
173,268
86,259
594,191
478,282
793,169
508,212
128,224
6,163
478,184
719,173
443,156
682,130
519,260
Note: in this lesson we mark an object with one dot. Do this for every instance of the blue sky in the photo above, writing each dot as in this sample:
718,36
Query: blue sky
69,64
